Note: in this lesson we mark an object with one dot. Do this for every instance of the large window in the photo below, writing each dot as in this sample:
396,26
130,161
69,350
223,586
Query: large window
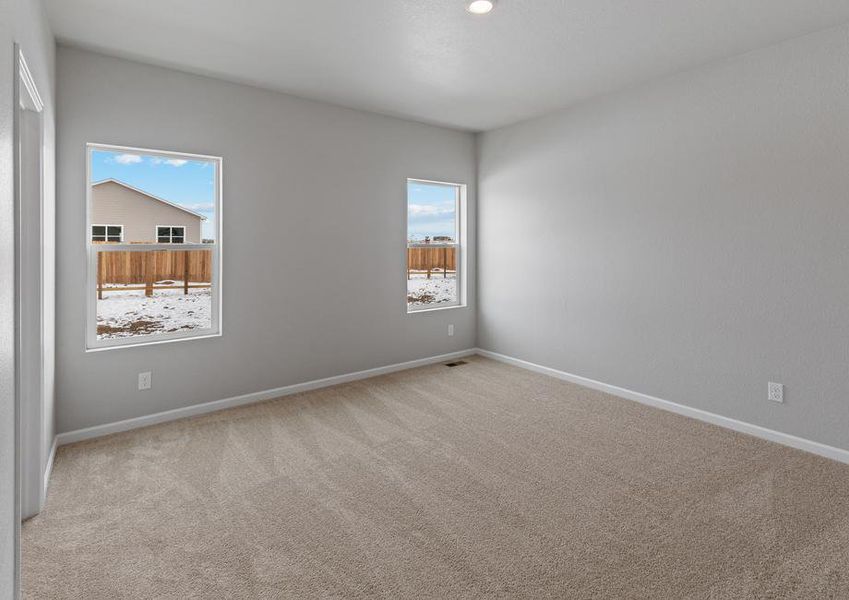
434,244
141,204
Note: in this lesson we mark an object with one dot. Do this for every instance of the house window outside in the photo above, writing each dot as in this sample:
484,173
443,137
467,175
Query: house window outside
107,233
435,242
171,234
140,288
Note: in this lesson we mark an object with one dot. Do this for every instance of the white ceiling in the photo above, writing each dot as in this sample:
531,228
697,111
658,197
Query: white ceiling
430,60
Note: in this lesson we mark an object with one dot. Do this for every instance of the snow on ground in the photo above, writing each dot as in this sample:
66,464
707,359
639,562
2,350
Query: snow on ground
424,292
125,313
129,313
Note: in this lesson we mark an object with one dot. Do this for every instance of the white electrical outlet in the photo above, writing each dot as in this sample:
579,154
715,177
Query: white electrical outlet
144,380
775,392
451,329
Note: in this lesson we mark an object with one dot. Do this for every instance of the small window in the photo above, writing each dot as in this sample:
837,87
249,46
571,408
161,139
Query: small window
154,275
434,244
107,233
171,234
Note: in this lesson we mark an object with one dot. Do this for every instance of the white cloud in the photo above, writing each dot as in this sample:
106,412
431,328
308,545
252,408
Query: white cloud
128,159
174,162
200,206
428,210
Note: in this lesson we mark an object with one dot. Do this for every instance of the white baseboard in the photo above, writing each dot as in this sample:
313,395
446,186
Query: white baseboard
48,468
786,439
79,435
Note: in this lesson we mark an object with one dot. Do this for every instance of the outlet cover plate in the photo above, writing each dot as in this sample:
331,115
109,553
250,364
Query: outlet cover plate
775,392
144,380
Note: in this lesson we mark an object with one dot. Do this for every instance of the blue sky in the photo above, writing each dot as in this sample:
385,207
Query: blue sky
189,183
431,210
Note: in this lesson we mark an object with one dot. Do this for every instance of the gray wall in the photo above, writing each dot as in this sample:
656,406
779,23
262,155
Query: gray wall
687,239
313,242
24,22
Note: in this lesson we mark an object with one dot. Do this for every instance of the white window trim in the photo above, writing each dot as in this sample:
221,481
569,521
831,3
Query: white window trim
92,344
170,234
460,234
106,232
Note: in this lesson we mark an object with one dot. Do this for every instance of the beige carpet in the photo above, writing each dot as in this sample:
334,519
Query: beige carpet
480,481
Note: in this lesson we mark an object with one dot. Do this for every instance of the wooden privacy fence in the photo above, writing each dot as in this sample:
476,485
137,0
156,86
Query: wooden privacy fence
423,258
146,267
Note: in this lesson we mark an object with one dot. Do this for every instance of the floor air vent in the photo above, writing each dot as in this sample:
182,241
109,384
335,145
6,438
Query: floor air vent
456,363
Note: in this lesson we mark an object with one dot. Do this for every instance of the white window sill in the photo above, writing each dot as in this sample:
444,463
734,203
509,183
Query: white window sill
187,338
435,309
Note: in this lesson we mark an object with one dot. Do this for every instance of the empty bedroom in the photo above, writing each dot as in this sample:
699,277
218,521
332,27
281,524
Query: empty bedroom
424,299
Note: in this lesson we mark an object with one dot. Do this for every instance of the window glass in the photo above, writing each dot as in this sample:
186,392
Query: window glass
113,233
140,292
433,245
170,235
106,233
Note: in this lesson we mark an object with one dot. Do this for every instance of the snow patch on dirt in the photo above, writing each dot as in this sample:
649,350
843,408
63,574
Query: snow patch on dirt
126,313
423,292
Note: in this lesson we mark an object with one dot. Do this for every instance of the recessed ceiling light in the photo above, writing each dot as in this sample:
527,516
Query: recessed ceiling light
480,7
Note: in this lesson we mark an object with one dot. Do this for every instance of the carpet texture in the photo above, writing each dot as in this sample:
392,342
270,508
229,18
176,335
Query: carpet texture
479,481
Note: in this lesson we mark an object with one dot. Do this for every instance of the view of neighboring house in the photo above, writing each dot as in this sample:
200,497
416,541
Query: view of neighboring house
122,213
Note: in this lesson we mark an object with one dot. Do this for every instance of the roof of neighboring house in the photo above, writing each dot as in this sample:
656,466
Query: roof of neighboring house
135,189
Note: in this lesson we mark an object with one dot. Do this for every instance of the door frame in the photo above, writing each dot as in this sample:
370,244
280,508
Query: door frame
29,321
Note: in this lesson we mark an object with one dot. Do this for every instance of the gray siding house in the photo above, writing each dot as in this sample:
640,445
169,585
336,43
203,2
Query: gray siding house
122,213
